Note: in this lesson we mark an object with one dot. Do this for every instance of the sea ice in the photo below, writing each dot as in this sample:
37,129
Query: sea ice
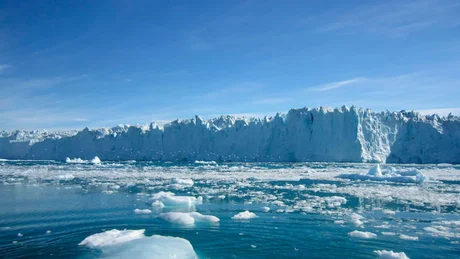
362,234
134,244
181,218
406,237
384,254
388,175
144,211
245,215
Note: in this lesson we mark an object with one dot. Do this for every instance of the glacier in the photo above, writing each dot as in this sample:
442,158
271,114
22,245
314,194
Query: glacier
346,134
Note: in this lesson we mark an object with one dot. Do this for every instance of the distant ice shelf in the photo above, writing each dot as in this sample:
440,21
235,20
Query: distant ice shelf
320,134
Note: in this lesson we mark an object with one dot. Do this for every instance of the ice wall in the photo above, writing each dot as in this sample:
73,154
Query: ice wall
320,134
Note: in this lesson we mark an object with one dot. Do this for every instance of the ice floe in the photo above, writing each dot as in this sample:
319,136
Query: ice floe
388,175
362,234
142,211
384,254
188,218
134,244
245,215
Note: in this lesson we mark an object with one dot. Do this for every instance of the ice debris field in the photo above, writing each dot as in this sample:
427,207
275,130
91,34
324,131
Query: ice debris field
91,208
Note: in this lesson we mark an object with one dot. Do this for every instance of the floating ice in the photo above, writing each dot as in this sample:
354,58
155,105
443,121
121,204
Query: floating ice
384,254
362,234
144,211
204,218
158,204
170,199
206,162
134,244
245,215
184,182
112,237
406,237
265,209
178,218
95,160
48,232
389,175
389,212
356,219
188,218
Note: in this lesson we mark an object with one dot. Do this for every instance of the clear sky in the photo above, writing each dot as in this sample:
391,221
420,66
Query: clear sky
71,64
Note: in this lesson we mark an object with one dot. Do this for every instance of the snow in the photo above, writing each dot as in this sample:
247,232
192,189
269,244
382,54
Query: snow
245,215
362,234
188,218
320,134
384,254
134,244
144,211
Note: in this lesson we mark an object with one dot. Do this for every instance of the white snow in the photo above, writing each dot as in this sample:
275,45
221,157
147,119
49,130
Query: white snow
144,211
384,254
362,234
134,244
245,215
320,134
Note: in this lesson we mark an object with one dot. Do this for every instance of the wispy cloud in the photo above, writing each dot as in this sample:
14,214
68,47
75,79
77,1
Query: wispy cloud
441,111
335,85
4,67
271,100
391,18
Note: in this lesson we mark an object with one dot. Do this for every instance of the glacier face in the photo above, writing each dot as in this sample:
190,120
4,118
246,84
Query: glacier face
320,134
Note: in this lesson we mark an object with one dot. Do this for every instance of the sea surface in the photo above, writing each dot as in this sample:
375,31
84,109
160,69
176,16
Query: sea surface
47,208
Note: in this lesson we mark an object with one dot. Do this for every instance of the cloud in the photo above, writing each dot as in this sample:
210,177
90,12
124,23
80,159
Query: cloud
4,67
391,18
271,101
335,85
440,111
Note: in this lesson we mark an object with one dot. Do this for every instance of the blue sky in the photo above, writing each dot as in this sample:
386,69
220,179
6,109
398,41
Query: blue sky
71,64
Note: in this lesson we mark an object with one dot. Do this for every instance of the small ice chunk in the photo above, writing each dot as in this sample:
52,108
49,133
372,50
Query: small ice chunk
406,237
389,233
245,215
384,254
362,234
339,222
95,160
20,234
112,237
183,182
389,212
181,218
48,232
66,177
356,219
204,218
265,209
375,171
158,204
144,211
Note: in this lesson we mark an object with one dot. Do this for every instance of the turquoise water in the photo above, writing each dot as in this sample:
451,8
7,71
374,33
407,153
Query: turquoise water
311,210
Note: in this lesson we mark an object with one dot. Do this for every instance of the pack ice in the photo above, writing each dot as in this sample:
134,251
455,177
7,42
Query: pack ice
321,134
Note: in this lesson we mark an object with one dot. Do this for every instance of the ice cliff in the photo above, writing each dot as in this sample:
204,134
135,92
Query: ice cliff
321,134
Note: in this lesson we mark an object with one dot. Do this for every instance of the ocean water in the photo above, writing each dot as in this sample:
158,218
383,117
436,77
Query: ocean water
47,208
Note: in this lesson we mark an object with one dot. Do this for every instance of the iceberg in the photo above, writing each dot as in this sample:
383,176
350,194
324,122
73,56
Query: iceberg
245,215
384,254
389,175
134,244
320,134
